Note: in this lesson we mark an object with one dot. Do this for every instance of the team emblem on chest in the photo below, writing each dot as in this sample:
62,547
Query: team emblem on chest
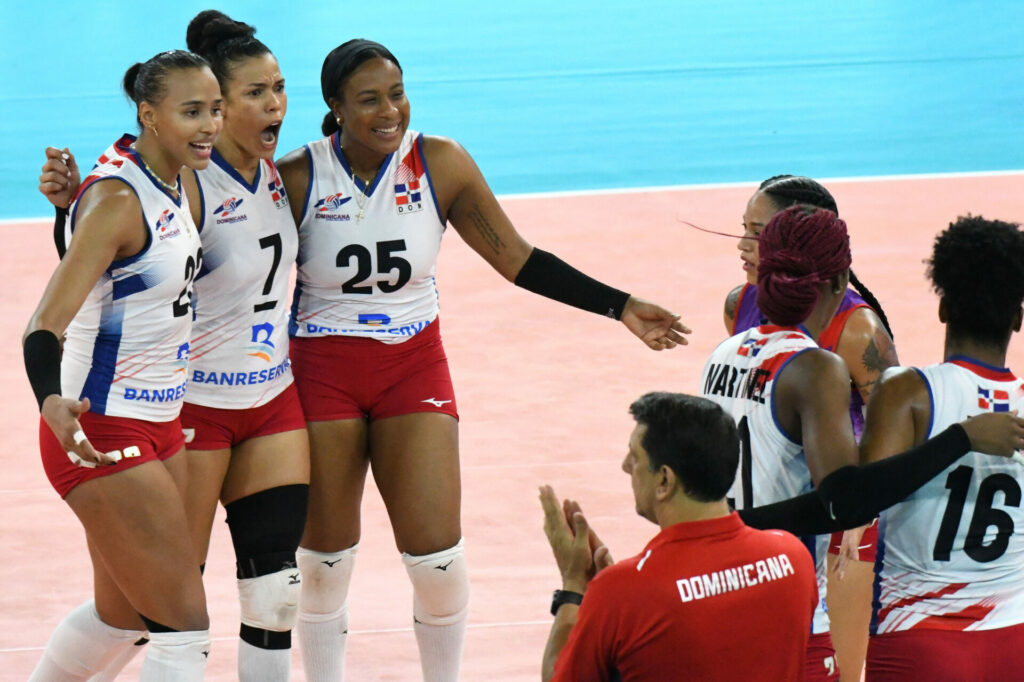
407,197
276,188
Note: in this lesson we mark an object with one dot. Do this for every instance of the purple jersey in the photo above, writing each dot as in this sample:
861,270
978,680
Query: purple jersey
748,315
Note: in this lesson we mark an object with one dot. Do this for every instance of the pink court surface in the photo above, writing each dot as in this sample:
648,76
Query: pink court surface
542,389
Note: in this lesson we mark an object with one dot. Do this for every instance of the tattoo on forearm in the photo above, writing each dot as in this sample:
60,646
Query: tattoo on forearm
485,230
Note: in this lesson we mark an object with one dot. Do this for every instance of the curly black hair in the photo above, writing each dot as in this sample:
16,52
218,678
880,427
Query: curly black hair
977,267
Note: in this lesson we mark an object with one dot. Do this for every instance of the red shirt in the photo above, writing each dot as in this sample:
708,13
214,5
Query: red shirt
707,600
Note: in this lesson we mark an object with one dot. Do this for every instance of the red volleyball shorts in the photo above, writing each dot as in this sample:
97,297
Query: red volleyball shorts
213,428
821,659
343,377
139,442
867,547
927,655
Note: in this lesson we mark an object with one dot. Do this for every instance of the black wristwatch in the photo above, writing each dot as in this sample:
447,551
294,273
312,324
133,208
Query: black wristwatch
564,597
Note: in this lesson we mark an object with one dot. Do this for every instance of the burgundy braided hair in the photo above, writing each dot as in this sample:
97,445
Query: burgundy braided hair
800,248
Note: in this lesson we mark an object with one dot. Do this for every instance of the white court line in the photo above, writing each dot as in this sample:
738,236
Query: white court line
678,188
728,185
381,631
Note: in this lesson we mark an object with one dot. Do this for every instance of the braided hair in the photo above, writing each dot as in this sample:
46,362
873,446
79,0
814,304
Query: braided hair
788,190
800,248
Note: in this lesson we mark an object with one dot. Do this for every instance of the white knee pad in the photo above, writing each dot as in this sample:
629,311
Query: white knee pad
176,656
271,602
325,579
83,645
440,585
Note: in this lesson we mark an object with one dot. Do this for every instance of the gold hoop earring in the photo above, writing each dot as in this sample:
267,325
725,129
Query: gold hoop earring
155,133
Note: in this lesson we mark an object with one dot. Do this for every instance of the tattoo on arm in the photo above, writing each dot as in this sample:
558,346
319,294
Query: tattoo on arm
485,230
876,360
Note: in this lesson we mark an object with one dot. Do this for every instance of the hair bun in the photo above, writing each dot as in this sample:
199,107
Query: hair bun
212,27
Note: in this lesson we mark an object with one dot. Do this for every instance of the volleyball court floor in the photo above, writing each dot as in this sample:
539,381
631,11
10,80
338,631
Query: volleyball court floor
543,392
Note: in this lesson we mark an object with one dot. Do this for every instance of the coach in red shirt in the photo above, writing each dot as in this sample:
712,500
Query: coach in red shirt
708,598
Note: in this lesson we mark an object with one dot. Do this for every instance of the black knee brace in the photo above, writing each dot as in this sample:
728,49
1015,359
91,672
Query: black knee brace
266,528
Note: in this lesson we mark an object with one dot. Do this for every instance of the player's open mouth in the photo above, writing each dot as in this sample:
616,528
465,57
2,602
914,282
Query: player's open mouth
386,131
203,149
269,135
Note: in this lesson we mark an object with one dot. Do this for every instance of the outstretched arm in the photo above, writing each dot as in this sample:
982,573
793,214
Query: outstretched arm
467,202
897,421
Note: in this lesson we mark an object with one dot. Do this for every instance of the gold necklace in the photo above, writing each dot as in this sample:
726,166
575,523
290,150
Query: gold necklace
173,190
152,174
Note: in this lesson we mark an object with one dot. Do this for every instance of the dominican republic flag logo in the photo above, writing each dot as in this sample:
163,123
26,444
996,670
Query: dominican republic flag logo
164,220
751,347
331,202
228,207
276,188
996,401
408,197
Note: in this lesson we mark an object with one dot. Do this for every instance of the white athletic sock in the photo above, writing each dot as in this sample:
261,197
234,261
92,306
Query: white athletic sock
263,665
81,646
323,612
440,649
440,585
120,661
176,656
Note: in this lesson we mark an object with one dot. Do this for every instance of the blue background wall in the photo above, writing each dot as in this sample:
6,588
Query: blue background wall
577,95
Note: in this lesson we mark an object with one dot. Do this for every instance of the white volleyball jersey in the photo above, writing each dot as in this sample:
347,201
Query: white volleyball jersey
127,347
367,254
239,355
950,556
740,376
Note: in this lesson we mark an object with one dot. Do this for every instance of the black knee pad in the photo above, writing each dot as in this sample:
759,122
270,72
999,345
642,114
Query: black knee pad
266,528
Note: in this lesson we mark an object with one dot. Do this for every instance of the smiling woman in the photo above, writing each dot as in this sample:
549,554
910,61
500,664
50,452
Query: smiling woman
119,294
246,440
369,365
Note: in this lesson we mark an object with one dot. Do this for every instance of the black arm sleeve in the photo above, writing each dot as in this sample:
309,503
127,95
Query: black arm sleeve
852,496
548,275
58,231
42,363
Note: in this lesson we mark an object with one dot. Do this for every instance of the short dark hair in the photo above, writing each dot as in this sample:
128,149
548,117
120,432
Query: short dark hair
692,436
977,267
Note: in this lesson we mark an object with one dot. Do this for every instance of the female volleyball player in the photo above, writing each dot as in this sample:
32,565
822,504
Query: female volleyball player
112,446
791,402
245,432
859,333
371,200
950,588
